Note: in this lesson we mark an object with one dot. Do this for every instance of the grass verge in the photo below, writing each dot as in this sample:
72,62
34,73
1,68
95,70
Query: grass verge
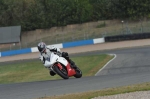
35,71
105,92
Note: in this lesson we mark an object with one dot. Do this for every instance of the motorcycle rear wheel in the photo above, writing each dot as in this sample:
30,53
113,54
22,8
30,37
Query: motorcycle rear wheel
61,72
78,73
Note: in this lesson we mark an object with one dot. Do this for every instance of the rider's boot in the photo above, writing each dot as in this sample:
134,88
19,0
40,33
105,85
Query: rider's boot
52,73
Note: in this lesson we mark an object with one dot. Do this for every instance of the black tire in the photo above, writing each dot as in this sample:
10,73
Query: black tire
78,73
62,73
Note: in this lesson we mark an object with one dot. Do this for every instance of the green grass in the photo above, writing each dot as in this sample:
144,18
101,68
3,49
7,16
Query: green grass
35,71
105,92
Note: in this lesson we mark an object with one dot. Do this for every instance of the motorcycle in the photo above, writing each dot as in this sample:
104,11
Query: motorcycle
62,67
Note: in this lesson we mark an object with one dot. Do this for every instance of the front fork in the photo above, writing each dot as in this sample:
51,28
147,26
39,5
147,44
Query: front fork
57,64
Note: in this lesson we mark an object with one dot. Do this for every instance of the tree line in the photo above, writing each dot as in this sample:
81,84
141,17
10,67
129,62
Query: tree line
37,14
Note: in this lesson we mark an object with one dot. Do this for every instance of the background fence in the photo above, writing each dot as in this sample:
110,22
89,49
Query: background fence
82,32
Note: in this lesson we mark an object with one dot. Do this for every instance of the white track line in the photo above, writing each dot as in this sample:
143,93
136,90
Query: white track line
106,64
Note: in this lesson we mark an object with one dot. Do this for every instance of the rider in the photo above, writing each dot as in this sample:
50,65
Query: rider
45,55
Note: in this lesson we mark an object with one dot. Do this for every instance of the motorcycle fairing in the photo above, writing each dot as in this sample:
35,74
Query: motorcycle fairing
71,71
62,61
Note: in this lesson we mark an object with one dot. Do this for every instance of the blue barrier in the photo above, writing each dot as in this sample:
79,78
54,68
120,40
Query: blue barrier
16,52
61,45
78,43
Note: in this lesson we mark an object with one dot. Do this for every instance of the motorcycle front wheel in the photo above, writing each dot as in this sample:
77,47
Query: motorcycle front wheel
61,72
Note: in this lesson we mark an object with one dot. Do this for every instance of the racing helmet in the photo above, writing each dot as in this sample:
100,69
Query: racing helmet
41,47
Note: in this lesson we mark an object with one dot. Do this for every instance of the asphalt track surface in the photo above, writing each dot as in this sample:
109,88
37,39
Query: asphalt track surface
131,66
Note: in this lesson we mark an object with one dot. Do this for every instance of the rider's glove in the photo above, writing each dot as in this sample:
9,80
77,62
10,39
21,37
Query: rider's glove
41,58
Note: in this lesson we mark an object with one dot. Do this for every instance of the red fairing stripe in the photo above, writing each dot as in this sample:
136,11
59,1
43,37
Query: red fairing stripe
71,71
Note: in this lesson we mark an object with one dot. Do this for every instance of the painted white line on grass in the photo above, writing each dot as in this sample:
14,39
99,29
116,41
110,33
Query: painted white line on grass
106,64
